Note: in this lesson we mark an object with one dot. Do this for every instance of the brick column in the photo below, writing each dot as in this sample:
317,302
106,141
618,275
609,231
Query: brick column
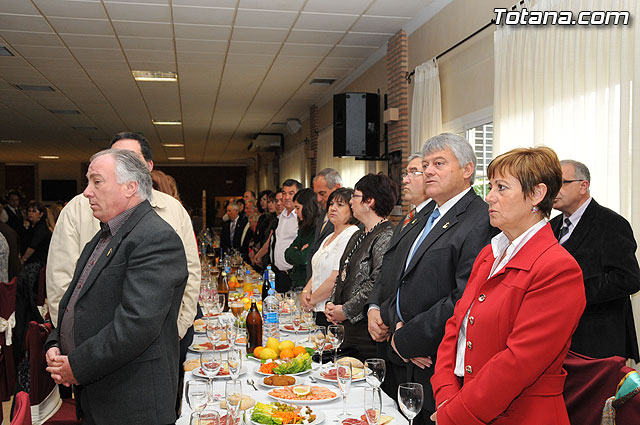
313,138
397,96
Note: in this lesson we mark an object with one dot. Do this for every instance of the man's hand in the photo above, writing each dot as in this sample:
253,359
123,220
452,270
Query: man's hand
377,329
422,362
59,368
393,342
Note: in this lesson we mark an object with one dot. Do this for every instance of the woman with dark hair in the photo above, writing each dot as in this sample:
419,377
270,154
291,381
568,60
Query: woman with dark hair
36,236
267,222
308,210
501,357
326,260
263,200
373,199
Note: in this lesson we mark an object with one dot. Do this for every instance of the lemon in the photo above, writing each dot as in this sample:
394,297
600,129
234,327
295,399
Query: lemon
268,353
274,344
301,390
286,345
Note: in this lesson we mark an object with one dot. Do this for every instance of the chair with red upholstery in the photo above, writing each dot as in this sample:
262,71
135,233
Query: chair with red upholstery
7,323
590,382
46,405
22,411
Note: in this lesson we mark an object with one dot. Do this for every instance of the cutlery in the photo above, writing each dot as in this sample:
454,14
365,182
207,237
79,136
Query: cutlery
250,382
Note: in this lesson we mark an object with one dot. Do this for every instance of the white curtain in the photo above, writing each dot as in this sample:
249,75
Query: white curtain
350,169
293,165
426,105
571,88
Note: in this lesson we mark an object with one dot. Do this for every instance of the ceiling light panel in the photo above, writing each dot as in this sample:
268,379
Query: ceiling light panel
176,158
154,76
49,157
173,145
166,122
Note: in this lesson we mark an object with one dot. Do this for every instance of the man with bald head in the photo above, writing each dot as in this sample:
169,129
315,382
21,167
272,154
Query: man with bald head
116,337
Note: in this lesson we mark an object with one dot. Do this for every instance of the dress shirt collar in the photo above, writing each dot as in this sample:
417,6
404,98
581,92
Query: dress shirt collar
444,208
284,214
500,243
422,204
577,215
116,222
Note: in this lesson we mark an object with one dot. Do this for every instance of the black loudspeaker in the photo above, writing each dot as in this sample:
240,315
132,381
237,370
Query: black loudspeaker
356,125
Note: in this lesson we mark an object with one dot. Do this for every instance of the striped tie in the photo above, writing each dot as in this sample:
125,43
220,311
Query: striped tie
409,217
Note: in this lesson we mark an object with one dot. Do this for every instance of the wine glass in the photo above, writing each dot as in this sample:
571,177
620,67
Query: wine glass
237,308
233,396
210,363
308,319
374,372
214,331
232,332
208,416
234,360
319,339
335,335
410,398
296,318
344,376
290,299
372,405
197,396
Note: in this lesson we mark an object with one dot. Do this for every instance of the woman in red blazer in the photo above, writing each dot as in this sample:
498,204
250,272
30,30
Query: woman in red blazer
500,361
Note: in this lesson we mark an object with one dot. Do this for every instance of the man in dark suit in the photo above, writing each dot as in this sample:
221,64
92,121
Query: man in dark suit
232,229
15,267
602,243
117,336
324,184
16,220
439,261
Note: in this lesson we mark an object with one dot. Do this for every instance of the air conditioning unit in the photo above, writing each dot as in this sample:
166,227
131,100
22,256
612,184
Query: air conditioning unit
293,126
266,141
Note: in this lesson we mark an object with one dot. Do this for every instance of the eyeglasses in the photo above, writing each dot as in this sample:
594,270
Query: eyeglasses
570,181
356,196
32,210
411,174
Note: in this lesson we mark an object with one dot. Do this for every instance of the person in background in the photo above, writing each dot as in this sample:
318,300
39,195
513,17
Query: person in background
372,201
36,235
602,243
4,259
165,183
233,228
11,236
264,257
500,360
297,254
250,207
284,235
249,195
326,260
4,217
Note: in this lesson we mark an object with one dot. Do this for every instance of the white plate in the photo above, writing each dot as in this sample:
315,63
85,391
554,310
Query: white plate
241,344
283,328
257,370
320,417
306,402
318,375
262,384
254,358
197,350
198,373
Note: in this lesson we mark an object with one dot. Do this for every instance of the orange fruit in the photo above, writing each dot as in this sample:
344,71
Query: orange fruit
298,350
287,353
256,351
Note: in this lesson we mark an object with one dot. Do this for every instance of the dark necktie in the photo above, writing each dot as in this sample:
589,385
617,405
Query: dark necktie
564,229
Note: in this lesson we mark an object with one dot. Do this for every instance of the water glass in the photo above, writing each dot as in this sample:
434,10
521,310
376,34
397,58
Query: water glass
372,405
335,335
214,330
197,397
210,363
344,375
375,371
410,399
319,339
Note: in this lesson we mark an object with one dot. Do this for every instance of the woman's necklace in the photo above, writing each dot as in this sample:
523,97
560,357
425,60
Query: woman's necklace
361,237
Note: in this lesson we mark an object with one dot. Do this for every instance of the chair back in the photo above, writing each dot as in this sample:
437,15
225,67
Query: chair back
7,325
42,286
45,397
22,410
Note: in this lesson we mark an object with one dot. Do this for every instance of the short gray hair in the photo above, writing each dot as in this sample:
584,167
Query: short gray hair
414,156
129,168
457,144
581,170
234,206
331,176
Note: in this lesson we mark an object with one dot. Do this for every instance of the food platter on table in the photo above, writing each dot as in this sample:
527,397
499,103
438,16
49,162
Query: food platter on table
222,374
257,371
241,340
285,413
317,394
329,375
288,328
207,346
290,380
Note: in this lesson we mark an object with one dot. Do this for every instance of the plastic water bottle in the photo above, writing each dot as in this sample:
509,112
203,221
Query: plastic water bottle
270,311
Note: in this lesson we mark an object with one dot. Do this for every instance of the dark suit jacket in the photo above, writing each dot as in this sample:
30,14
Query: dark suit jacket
225,236
603,245
12,239
320,235
126,356
15,221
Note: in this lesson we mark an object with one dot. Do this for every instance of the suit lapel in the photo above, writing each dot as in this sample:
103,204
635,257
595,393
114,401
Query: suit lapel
582,229
111,249
418,222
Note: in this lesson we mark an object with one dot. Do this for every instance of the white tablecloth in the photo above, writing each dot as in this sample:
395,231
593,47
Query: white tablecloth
355,398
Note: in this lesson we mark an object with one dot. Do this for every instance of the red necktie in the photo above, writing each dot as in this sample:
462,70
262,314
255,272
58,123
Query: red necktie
409,217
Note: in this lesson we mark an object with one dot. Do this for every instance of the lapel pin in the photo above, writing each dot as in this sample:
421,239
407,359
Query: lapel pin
414,221
110,249
445,225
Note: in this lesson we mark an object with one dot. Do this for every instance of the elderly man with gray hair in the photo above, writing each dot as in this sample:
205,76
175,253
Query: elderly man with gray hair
117,339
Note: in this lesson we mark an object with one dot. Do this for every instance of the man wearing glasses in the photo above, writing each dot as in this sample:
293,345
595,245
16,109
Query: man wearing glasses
602,243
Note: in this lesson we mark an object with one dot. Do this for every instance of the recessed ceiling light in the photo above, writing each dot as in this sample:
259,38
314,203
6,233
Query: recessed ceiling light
166,122
49,157
322,81
10,142
34,87
65,111
176,158
5,52
154,76
81,128
278,123
173,145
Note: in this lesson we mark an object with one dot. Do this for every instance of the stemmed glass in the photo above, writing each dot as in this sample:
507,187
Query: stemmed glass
319,339
372,405
211,362
208,416
308,319
410,398
290,299
335,335
197,396
233,396
234,360
296,319
214,331
344,376
374,372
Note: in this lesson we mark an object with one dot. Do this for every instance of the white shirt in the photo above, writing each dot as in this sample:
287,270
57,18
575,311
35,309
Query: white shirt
326,260
422,204
574,219
499,244
286,233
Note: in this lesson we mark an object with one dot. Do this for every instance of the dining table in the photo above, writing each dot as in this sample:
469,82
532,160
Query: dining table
331,409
